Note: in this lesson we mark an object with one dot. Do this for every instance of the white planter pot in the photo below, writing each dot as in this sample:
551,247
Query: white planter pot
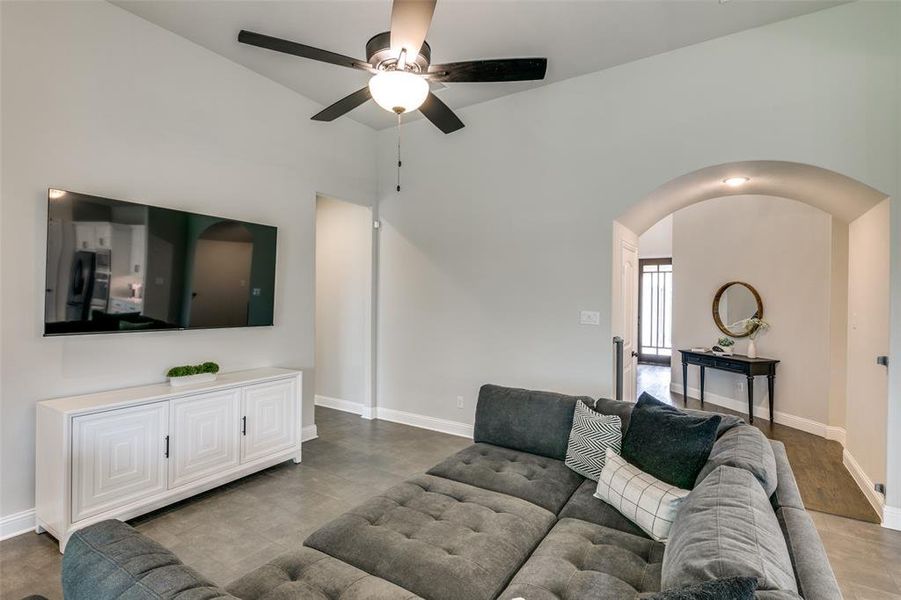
191,379
752,349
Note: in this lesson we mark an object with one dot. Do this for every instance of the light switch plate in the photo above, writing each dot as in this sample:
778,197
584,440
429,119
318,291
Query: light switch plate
590,317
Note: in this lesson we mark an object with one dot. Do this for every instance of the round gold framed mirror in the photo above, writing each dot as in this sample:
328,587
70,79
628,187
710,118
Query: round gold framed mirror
734,303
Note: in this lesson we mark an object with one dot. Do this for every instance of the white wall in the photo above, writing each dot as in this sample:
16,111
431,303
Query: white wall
483,276
98,100
343,283
868,337
783,249
657,242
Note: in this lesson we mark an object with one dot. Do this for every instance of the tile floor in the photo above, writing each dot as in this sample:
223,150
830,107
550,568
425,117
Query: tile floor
226,532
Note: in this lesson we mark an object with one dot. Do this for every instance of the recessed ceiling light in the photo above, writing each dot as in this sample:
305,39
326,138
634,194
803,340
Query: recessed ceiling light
736,181
56,194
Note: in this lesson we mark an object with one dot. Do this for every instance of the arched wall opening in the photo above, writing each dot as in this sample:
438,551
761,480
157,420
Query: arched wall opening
854,404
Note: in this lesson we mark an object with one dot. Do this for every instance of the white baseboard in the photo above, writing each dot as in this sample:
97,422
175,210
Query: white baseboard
891,517
837,434
368,413
762,410
424,422
338,404
17,524
866,485
310,432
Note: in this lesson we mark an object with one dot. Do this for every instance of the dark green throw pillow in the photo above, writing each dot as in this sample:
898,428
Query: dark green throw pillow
665,442
732,588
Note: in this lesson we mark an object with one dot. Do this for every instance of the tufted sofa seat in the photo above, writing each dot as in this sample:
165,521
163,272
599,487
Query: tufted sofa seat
438,538
312,575
583,560
544,481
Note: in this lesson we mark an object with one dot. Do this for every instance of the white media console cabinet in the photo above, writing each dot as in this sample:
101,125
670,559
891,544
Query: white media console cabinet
121,453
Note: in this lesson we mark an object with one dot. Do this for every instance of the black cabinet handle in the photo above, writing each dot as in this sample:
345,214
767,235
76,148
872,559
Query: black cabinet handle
244,425
167,446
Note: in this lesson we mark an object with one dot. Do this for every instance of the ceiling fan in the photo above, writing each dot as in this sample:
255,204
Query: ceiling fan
400,62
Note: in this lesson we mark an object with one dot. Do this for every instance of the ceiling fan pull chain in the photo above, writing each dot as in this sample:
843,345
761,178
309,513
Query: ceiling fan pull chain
399,115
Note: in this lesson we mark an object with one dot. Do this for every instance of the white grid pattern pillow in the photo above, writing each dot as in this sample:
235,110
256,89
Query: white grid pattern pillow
591,435
643,499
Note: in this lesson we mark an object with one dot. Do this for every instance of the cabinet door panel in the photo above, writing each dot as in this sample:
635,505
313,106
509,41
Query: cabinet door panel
204,436
118,457
271,420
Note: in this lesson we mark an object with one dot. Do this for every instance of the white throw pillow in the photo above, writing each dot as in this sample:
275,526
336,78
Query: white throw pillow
643,499
591,435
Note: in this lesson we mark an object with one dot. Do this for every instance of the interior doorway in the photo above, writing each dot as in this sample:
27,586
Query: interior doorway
344,286
815,244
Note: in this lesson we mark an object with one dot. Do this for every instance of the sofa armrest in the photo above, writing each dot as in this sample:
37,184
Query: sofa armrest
111,560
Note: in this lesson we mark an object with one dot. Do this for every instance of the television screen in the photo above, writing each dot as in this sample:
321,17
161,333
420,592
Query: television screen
119,266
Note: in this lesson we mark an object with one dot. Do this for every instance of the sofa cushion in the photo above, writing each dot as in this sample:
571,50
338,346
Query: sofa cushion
726,527
110,560
787,493
727,422
744,447
584,560
538,479
591,435
645,500
616,408
526,420
308,574
583,505
665,442
438,538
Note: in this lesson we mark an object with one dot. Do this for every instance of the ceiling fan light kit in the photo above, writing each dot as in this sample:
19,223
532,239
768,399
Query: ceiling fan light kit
400,61
398,91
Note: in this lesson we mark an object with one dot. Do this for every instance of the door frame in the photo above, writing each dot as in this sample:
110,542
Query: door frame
647,359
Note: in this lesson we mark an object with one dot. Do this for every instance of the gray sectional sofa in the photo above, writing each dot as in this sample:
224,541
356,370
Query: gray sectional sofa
505,518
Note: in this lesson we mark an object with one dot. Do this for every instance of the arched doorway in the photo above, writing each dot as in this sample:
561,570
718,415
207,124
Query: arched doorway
862,211
220,277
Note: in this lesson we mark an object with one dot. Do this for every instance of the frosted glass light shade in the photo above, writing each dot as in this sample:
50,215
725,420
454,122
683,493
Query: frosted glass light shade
398,91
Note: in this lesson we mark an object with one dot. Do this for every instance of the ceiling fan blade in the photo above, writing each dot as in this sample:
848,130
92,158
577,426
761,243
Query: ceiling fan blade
302,50
343,106
440,115
501,69
410,21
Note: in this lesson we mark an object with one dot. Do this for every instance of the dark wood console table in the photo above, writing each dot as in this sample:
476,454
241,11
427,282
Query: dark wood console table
749,367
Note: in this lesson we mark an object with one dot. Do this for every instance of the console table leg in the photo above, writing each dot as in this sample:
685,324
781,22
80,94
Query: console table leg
750,399
702,386
685,383
771,384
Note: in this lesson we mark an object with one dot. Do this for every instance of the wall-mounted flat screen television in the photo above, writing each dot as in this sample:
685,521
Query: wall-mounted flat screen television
115,266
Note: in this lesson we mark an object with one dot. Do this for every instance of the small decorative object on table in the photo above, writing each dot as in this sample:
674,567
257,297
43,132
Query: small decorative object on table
188,374
724,346
754,326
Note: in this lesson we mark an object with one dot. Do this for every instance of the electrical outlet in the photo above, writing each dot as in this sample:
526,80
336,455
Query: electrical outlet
589,317
459,401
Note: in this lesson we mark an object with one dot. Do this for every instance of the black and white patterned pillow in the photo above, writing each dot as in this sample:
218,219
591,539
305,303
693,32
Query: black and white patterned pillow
642,498
591,435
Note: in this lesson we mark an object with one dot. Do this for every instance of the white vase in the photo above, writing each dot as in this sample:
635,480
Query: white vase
752,348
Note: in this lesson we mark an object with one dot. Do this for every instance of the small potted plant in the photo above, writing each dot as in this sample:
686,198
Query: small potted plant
724,346
188,374
754,326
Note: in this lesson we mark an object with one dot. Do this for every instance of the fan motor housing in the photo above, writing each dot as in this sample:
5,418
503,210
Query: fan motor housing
378,54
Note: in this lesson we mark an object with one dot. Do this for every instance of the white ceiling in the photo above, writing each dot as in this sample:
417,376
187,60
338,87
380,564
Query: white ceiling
577,36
